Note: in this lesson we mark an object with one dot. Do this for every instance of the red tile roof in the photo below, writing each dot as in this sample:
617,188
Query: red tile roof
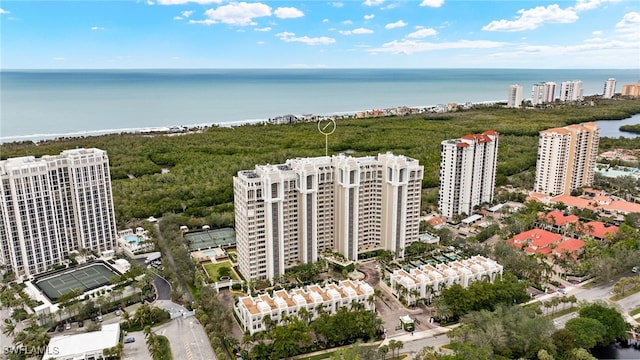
558,218
569,245
599,229
536,238
602,202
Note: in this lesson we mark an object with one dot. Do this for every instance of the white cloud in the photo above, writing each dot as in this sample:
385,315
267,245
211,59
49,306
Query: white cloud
372,2
181,2
432,3
325,20
239,14
96,28
397,24
337,4
369,17
422,33
3,11
347,22
260,43
58,58
596,33
264,29
533,18
291,37
409,47
629,25
183,15
358,31
288,13
582,5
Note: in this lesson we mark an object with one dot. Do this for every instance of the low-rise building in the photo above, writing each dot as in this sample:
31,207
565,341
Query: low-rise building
89,345
132,243
539,241
251,311
428,280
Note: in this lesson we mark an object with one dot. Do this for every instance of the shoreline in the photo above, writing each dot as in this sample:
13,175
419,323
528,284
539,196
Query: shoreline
185,129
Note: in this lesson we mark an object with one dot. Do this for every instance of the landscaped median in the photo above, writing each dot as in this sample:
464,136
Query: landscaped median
216,271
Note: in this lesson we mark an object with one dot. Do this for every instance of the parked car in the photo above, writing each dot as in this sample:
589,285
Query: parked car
635,269
129,340
99,318
117,312
80,323
67,326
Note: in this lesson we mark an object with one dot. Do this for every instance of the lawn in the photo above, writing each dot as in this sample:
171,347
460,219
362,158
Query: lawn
212,270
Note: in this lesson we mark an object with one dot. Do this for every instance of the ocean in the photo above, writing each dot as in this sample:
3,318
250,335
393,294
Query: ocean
46,104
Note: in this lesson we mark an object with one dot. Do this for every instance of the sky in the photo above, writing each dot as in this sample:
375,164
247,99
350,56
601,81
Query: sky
125,34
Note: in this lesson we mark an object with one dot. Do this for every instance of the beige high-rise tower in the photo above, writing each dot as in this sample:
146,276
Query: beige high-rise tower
566,158
291,213
53,205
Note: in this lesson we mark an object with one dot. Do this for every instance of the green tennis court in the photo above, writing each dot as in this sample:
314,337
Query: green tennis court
85,278
210,238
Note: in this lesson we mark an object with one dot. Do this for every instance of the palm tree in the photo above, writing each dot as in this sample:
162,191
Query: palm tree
383,350
9,329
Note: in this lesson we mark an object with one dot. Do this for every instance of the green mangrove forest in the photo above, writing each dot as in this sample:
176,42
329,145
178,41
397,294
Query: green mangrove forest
191,173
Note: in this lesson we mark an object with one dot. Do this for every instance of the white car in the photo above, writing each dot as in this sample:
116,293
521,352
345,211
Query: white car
635,269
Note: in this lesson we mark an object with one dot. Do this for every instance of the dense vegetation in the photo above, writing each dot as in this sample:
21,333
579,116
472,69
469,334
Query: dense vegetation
635,128
201,165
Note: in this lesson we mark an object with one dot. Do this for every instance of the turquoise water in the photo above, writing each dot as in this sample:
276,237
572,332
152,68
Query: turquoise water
46,104
209,253
133,239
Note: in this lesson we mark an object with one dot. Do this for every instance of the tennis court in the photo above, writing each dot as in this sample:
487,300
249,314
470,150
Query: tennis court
86,278
210,238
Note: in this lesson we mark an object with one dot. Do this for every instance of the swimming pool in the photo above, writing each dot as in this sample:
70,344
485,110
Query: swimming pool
132,239
209,253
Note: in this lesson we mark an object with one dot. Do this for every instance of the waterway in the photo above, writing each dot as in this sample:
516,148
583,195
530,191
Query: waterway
617,351
611,128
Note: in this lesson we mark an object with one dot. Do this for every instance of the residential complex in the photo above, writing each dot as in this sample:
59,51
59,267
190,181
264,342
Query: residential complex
571,90
467,172
53,205
542,93
609,88
631,90
291,213
566,158
514,100
314,299
428,280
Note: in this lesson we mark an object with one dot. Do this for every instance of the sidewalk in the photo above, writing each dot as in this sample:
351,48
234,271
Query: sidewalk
418,335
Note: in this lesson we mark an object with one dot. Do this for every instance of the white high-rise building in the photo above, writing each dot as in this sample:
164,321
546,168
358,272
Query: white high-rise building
53,205
609,88
566,158
543,93
514,100
291,213
467,172
571,91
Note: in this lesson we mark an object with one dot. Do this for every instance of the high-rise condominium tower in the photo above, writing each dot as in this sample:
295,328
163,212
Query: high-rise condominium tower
515,96
290,213
609,88
467,172
571,91
566,158
543,93
52,205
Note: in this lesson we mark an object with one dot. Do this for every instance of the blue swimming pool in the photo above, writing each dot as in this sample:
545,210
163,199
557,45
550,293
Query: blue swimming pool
133,239
209,253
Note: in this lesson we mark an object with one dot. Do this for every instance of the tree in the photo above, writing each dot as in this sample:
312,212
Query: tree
224,271
587,332
383,350
610,318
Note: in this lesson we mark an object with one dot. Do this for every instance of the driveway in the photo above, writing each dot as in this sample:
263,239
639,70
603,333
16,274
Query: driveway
136,350
187,338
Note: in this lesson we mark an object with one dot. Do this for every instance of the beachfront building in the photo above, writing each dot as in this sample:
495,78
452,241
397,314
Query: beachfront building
467,172
609,88
571,90
53,205
514,99
428,280
314,300
543,93
292,213
566,158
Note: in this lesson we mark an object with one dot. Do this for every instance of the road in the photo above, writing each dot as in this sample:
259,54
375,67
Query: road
165,250
162,286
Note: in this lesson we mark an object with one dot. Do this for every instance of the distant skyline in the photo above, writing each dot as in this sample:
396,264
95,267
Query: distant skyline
581,34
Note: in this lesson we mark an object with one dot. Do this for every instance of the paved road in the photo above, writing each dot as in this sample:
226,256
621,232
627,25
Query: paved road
165,250
187,338
162,286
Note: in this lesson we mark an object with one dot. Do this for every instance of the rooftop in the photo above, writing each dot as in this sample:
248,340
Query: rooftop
79,344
